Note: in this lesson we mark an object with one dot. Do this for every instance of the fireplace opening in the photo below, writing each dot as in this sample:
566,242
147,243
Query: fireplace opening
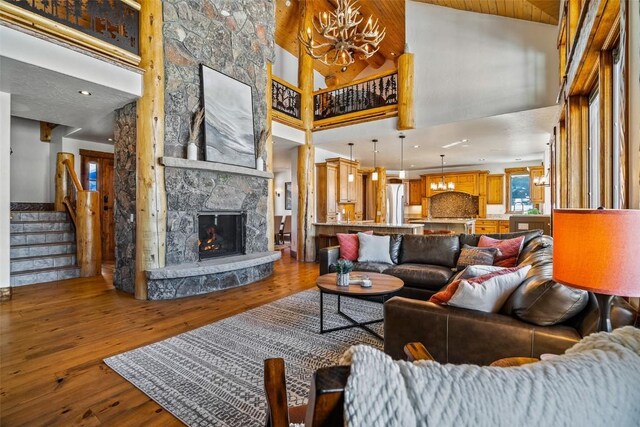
221,234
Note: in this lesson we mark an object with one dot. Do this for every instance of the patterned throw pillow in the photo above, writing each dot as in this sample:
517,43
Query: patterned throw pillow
471,255
349,245
510,249
484,293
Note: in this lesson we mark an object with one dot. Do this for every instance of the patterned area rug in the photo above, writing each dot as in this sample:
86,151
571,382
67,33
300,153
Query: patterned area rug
213,376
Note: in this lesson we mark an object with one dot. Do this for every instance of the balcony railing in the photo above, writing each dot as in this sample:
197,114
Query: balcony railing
109,27
377,94
286,98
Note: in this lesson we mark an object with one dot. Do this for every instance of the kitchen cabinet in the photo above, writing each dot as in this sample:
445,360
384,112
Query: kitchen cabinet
470,182
327,176
359,196
537,192
415,192
486,226
346,189
495,189
335,193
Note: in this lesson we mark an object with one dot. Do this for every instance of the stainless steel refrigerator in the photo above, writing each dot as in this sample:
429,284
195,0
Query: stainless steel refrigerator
395,204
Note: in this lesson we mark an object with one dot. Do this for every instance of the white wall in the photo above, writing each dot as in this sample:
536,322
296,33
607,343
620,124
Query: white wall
33,162
31,174
74,146
472,65
5,187
285,66
278,184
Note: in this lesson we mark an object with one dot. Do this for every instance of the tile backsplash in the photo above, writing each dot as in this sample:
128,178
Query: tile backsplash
453,204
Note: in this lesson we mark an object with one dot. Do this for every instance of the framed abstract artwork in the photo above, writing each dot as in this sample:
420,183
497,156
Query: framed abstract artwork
228,119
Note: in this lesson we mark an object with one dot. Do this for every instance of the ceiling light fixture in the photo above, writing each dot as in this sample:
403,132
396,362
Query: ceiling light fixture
442,185
374,175
416,146
402,173
110,139
339,37
350,177
84,92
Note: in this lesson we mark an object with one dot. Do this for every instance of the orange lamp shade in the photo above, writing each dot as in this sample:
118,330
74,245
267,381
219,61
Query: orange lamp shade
597,250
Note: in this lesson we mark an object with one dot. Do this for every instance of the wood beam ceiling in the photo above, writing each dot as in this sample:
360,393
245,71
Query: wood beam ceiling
543,11
390,13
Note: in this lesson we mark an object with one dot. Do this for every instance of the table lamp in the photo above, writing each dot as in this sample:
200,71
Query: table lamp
598,250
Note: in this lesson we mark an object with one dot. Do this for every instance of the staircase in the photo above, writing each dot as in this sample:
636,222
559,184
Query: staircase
43,248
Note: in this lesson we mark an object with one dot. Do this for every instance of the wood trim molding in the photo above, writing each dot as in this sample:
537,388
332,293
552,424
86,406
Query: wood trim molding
25,18
98,154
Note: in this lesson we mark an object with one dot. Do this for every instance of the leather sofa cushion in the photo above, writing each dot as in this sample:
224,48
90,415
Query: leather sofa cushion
540,300
424,276
370,267
430,249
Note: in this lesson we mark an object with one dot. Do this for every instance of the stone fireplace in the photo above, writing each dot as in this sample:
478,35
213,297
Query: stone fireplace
221,234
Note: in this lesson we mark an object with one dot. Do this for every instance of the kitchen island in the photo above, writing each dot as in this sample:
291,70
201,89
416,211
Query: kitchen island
331,228
459,225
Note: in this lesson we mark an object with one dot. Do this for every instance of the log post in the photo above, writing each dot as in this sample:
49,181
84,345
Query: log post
406,118
305,249
88,238
381,196
269,151
62,183
151,210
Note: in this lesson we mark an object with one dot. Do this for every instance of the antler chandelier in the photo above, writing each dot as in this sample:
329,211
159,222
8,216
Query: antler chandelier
340,39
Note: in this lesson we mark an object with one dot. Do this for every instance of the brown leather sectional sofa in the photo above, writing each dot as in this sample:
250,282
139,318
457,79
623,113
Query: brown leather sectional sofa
541,316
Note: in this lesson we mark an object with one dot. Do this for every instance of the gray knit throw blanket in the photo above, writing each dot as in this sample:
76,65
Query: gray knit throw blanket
595,383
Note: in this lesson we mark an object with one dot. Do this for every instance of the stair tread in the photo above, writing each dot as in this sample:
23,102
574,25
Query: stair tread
44,270
27,258
30,245
41,221
40,232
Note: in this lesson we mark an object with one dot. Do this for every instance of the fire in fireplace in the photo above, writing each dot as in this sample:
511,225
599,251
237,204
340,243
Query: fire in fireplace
221,233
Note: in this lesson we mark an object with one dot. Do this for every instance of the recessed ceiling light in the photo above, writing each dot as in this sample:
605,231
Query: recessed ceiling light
412,166
393,54
109,139
84,92
416,146
465,140
482,160
518,159
224,13
376,151
343,69
287,3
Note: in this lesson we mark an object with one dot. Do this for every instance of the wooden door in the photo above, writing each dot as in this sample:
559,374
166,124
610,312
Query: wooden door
97,175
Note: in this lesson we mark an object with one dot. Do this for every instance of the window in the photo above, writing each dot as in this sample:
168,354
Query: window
594,149
520,192
93,176
615,150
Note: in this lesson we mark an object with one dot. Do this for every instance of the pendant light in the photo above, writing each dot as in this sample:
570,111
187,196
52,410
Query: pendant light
374,175
402,174
351,177
442,185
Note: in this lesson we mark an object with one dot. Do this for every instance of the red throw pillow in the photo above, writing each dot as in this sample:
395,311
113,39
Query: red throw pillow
349,245
509,249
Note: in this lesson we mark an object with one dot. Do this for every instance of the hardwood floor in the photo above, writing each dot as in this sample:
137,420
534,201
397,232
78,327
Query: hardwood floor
55,335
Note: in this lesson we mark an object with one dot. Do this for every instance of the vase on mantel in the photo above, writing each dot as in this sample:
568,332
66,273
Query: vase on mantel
192,151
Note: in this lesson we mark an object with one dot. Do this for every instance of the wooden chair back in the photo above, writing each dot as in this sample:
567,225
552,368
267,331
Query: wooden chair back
326,395
286,229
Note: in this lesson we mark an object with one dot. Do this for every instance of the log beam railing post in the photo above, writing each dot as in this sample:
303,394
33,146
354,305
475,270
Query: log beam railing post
381,196
305,249
406,118
151,210
62,184
269,151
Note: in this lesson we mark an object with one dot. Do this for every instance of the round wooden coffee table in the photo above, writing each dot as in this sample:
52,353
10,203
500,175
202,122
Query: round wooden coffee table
383,287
